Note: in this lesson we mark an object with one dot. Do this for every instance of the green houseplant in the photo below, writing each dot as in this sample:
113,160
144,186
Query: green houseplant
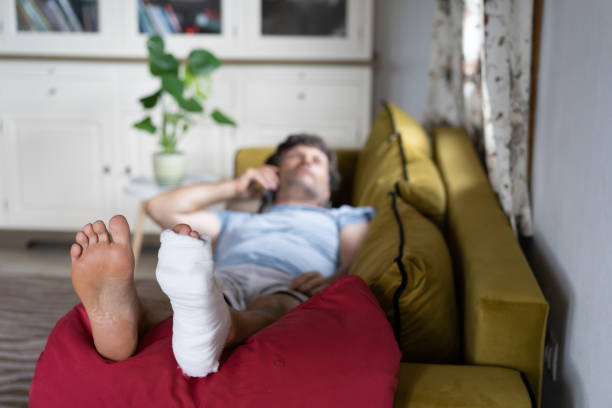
183,89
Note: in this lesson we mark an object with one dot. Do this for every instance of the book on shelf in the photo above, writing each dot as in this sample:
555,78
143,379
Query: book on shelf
40,23
55,15
73,21
171,15
24,22
143,20
159,26
164,16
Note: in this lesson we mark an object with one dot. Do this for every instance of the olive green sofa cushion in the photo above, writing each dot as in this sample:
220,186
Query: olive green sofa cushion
459,386
398,152
406,263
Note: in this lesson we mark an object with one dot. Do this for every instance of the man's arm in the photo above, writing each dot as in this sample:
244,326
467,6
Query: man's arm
186,204
351,238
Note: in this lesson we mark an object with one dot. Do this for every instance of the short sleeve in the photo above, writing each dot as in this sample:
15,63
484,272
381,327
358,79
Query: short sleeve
347,215
223,216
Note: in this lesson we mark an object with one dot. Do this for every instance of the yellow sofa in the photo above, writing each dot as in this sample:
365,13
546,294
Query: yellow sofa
471,319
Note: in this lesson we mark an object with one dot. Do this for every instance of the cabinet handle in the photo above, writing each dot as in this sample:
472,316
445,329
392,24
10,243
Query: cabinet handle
301,96
127,170
52,91
106,169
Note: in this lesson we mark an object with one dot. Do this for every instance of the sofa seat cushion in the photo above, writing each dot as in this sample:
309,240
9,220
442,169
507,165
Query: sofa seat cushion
448,386
406,263
398,152
334,350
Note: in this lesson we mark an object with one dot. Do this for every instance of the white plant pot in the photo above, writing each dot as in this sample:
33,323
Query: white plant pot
169,168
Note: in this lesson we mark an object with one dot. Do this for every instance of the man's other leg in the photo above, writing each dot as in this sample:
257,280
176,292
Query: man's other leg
260,313
103,277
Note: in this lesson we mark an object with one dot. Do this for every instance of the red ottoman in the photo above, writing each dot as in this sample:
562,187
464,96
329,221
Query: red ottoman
334,350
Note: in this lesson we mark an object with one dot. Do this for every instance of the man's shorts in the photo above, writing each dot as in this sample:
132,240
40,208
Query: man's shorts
242,284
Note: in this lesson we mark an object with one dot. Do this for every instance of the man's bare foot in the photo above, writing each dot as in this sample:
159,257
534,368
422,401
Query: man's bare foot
103,277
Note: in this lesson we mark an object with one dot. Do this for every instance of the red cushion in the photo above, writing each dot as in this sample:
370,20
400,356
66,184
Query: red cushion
336,349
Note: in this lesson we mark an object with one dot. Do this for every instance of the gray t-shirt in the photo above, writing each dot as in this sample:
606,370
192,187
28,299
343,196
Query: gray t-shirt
288,237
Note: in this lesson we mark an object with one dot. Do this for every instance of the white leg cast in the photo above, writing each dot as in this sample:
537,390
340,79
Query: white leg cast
201,316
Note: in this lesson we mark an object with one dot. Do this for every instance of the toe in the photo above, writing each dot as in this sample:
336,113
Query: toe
100,230
120,230
91,235
82,240
183,229
75,252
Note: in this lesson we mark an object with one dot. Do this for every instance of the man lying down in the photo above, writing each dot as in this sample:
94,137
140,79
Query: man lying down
265,264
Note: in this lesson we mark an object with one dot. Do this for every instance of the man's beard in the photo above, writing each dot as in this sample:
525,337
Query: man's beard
302,190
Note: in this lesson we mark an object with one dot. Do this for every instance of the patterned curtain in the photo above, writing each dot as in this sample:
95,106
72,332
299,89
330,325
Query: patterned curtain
480,80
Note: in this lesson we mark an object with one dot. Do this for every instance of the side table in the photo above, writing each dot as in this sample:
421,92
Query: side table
144,188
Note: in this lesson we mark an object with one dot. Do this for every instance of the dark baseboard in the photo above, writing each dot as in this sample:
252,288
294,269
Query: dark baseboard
22,239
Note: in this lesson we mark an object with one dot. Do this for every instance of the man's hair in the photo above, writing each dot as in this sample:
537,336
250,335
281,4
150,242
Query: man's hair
314,141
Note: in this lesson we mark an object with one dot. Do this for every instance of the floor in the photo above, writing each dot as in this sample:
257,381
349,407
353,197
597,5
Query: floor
36,291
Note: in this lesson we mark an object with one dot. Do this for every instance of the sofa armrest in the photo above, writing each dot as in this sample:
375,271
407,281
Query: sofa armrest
503,307
432,385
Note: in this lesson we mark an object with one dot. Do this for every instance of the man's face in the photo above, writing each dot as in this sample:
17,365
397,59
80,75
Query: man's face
305,169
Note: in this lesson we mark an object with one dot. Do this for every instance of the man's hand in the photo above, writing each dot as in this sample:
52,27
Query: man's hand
266,176
310,283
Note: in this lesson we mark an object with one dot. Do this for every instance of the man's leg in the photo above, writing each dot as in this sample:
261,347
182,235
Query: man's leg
103,277
260,313
204,324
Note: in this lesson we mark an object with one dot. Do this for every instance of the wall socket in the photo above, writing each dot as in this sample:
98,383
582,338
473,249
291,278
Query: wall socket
551,354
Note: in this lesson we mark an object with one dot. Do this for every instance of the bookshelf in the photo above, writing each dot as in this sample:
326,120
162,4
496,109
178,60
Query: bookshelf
338,30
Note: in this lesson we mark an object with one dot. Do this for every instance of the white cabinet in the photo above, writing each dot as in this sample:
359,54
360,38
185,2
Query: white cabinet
67,145
249,29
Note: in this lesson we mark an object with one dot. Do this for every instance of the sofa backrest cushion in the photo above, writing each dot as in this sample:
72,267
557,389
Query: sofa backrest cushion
406,263
399,151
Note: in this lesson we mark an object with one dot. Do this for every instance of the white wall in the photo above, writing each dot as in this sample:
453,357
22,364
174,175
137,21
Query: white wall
402,44
571,251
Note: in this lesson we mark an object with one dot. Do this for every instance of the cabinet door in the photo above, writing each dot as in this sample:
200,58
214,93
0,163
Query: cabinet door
333,102
55,159
58,27
308,29
55,171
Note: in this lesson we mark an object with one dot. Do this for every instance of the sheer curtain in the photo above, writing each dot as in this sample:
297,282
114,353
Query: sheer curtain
480,80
